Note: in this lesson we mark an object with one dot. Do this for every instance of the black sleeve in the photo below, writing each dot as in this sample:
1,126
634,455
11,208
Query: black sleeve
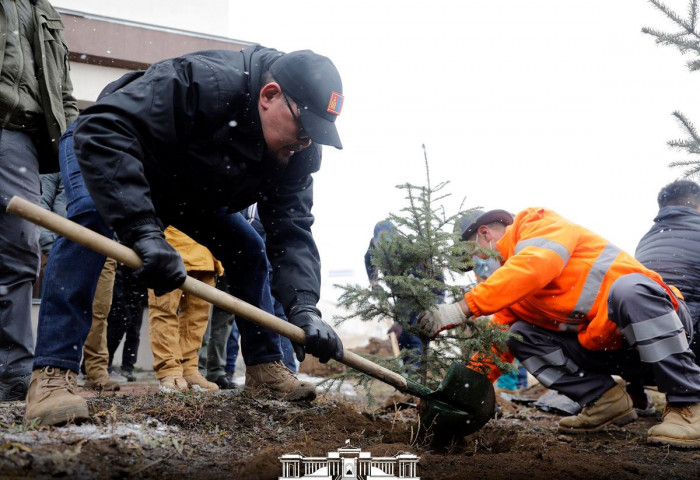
287,219
153,112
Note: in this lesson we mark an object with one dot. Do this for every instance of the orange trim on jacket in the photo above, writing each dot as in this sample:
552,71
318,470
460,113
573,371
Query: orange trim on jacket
557,275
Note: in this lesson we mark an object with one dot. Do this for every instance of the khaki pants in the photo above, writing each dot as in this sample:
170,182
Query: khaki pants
96,356
176,325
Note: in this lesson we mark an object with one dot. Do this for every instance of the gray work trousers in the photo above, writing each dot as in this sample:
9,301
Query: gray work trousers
19,253
655,350
212,355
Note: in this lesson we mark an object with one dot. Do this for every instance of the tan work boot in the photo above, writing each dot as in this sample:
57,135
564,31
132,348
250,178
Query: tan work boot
614,406
173,384
103,383
275,378
200,384
52,397
680,427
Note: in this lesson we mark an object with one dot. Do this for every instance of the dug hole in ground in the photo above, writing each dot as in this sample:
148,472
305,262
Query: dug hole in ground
140,433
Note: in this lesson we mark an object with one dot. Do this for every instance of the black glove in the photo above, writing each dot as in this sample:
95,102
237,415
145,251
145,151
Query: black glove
321,339
162,269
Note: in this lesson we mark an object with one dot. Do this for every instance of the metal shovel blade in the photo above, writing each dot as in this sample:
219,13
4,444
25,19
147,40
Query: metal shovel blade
463,403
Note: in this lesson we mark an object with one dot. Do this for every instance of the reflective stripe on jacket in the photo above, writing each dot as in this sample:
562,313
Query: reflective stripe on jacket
557,275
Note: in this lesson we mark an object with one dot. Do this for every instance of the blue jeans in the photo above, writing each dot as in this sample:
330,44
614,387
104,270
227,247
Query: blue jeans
288,355
232,349
71,274
72,271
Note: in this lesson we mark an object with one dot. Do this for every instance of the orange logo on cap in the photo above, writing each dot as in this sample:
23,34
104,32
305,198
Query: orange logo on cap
336,103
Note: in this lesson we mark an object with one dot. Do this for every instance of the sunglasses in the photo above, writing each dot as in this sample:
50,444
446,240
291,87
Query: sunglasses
302,136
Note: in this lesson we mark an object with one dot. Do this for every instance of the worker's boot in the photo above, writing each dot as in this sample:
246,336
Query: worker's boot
172,384
614,406
102,383
52,397
276,379
680,427
198,383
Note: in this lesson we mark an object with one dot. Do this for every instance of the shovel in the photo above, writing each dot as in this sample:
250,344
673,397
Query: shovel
463,402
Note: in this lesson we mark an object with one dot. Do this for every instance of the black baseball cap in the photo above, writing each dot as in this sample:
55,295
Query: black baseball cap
471,222
313,82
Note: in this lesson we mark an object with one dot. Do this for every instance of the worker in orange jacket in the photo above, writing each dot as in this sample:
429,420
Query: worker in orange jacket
583,310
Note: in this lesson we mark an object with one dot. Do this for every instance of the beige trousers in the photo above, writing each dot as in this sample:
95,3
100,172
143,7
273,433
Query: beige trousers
95,352
176,325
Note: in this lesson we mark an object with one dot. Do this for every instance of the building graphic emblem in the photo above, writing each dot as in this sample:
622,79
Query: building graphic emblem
350,463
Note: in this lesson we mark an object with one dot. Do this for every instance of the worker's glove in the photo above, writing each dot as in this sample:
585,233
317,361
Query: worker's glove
443,317
162,269
321,339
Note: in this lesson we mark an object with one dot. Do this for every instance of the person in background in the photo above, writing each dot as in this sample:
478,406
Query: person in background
129,298
672,249
583,310
36,105
177,321
95,352
408,341
212,355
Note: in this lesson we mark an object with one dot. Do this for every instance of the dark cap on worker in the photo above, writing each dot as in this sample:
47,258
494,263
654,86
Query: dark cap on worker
473,219
313,82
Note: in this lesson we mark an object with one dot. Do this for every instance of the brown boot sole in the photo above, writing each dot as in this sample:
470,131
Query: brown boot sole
674,442
622,419
61,415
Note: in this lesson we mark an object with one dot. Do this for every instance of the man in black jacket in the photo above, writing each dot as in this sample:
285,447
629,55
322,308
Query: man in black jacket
184,143
672,246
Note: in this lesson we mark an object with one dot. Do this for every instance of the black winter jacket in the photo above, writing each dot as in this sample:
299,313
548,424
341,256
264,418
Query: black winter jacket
185,136
672,248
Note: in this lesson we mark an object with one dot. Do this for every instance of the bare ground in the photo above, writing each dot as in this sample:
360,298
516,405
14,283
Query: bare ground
139,433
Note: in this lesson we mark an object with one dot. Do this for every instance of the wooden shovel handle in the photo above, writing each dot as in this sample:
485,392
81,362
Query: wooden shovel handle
109,248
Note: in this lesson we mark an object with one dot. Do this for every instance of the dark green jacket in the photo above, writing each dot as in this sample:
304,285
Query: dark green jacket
53,72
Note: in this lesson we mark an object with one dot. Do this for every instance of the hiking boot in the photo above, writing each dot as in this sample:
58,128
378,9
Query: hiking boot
52,397
104,383
225,383
275,378
173,384
614,406
198,383
680,427
14,389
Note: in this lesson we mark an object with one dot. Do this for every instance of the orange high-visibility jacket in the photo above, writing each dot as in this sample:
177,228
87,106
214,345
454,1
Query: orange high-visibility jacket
557,275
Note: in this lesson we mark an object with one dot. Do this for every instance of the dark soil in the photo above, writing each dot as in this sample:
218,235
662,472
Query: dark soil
143,434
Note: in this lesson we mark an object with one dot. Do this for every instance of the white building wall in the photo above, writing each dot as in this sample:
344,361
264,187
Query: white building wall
204,16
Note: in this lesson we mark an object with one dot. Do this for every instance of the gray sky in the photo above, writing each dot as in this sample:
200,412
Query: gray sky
549,103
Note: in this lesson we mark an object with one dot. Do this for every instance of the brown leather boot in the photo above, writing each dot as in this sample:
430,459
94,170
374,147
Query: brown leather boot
276,379
104,383
614,406
173,384
680,427
198,383
52,397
